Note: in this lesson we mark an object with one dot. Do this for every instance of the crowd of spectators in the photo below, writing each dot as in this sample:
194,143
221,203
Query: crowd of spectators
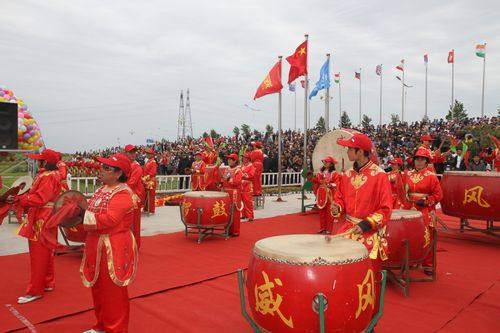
399,139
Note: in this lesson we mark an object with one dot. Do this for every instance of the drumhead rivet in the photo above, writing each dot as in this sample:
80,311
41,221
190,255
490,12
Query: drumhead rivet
315,303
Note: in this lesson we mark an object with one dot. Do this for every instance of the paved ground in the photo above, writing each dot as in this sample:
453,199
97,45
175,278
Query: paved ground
166,220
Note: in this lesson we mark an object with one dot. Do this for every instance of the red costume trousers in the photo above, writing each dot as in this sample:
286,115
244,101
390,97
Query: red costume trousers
246,198
326,218
136,227
42,268
151,200
111,303
429,259
257,181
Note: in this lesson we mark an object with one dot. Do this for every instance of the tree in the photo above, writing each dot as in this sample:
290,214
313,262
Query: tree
345,121
236,131
320,125
394,119
214,134
457,112
245,129
205,134
269,130
366,122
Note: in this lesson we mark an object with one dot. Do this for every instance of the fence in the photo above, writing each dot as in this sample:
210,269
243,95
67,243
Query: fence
182,183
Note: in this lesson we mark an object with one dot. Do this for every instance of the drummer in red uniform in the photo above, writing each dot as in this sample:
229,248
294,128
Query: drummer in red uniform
248,171
363,198
198,173
326,180
149,180
134,181
257,159
63,171
436,156
396,181
231,183
39,201
424,192
109,263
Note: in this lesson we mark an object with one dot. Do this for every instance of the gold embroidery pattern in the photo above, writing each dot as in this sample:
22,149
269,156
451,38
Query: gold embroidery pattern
185,208
219,209
375,170
427,238
366,293
267,303
358,180
474,195
416,178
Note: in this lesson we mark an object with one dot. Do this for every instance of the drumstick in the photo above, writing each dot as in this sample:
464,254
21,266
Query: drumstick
328,238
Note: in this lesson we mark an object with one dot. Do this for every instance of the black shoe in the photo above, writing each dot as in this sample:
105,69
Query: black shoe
428,272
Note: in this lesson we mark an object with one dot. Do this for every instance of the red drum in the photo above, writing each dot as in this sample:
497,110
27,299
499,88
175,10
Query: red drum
471,194
287,272
406,225
75,234
215,208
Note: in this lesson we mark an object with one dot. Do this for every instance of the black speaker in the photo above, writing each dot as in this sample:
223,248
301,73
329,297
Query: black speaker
8,126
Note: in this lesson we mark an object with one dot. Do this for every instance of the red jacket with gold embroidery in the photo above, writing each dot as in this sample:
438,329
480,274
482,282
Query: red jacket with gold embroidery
198,176
248,173
39,201
107,221
326,184
365,195
135,181
231,182
257,158
210,158
149,174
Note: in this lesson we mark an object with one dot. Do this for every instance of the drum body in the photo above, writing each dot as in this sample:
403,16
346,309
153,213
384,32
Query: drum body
215,208
287,272
75,234
406,225
471,194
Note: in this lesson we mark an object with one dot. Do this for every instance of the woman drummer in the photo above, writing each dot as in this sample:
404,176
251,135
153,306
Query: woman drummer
424,192
39,201
327,180
110,259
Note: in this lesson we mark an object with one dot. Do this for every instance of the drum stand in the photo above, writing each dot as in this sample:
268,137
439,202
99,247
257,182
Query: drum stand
204,231
490,228
68,248
403,279
258,202
320,305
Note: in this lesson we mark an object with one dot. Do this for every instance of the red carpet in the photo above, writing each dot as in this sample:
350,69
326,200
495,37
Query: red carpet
464,299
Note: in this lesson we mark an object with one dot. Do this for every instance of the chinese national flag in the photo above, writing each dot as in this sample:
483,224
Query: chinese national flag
298,62
272,82
451,56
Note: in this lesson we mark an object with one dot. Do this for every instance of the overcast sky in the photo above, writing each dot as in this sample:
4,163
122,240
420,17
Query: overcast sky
95,73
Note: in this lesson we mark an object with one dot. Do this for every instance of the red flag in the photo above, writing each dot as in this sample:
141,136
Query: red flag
209,141
401,66
451,57
298,62
426,58
272,82
357,75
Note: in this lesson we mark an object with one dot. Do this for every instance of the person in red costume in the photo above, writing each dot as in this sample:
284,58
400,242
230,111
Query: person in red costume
39,201
149,180
423,193
231,183
134,181
209,156
363,197
198,175
495,155
110,259
396,180
326,180
248,171
63,171
257,159
436,156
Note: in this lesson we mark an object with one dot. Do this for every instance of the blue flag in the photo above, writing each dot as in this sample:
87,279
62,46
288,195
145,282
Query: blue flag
291,86
324,79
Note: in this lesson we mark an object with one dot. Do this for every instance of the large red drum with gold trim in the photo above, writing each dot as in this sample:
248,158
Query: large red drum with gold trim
406,225
471,194
75,234
215,208
287,272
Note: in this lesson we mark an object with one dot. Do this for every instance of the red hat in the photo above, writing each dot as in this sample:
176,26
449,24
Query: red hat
233,157
129,148
329,159
426,137
358,140
117,160
396,160
48,155
422,152
149,151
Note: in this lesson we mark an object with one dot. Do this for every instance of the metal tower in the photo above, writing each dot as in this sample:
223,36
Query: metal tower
188,125
180,120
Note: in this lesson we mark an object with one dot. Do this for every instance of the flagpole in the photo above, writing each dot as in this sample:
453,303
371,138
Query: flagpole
453,81
426,65
340,103
380,116
360,96
403,96
484,74
304,164
327,99
279,141
295,107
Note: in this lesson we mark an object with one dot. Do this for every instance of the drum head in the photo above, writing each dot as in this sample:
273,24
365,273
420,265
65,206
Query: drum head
24,184
327,146
310,250
401,214
206,194
81,201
